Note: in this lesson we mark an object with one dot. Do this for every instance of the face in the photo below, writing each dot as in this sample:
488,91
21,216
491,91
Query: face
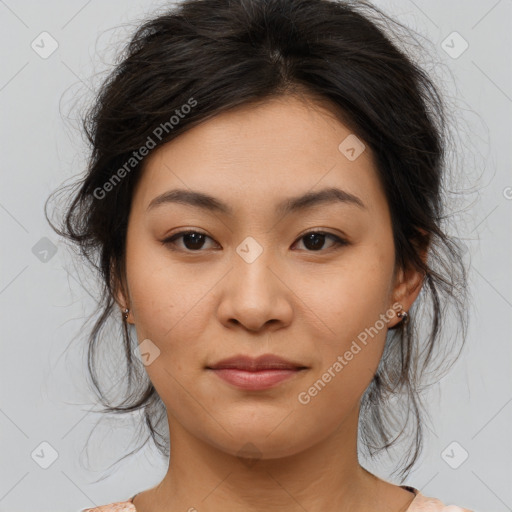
254,278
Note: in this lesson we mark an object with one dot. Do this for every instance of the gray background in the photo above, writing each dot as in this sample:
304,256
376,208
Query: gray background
43,397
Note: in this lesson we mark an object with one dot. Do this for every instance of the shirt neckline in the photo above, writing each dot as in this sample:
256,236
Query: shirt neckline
406,487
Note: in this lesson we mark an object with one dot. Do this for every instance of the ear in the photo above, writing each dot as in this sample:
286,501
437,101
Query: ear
119,289
407,286
409,280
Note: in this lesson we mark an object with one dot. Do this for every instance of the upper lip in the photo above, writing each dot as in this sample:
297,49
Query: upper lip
264,362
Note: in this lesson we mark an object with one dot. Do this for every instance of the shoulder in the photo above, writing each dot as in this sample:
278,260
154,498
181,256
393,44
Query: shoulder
118,506
423,503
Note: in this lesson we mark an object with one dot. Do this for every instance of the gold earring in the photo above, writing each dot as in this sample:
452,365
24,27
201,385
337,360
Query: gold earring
125,313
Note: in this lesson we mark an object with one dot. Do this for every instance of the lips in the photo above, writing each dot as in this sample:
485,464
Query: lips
256,374
250,364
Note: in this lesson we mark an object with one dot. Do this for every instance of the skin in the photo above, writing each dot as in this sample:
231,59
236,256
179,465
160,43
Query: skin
201,305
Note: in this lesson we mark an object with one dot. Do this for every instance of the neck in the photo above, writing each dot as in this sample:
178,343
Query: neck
325,476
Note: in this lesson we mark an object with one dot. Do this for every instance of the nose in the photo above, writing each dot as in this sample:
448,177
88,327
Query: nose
256,295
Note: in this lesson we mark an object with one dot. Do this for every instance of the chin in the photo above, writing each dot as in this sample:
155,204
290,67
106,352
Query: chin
262,441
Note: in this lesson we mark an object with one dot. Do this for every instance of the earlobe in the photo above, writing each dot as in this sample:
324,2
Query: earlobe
126,313
124,307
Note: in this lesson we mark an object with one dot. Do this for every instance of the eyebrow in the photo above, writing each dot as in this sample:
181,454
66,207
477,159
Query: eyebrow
290,205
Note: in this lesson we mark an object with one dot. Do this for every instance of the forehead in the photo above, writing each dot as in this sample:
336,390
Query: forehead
259,154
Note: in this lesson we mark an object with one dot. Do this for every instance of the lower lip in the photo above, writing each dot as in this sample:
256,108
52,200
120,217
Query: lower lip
262,379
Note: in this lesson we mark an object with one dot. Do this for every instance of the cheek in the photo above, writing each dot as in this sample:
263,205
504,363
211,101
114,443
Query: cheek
352,300
351,296
169,311
166,307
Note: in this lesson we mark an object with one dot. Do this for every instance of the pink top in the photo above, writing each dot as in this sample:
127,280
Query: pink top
420,503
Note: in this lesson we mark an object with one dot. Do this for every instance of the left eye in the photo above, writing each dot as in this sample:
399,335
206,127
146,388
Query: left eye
194,240
316,239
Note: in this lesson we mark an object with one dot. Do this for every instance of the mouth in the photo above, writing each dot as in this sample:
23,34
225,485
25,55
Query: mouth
260,373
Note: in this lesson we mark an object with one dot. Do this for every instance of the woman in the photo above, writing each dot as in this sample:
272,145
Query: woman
264,205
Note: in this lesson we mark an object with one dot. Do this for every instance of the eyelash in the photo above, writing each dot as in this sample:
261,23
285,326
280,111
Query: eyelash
170,241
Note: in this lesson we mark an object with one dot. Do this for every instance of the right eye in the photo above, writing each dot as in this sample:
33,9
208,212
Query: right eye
193,241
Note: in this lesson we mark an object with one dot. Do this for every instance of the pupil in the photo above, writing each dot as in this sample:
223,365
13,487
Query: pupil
318,243
196,240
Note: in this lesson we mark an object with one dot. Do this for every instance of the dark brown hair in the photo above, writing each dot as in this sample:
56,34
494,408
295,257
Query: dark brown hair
203,57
